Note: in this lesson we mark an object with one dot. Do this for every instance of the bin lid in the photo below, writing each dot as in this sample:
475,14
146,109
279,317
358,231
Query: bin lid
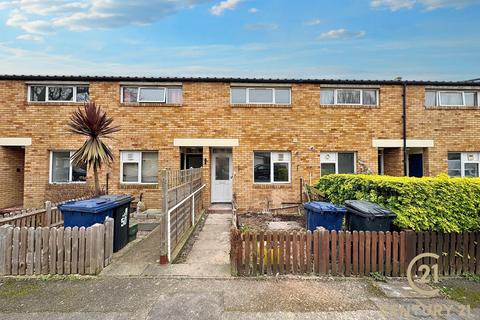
323,207
95,205
368,209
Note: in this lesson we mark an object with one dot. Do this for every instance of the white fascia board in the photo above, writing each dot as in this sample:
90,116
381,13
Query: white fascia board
205,142
398,143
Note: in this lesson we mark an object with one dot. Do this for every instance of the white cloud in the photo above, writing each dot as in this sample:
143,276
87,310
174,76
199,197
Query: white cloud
261,26
342,34
30,37
218,9
253,10
395,5
45,16
313,22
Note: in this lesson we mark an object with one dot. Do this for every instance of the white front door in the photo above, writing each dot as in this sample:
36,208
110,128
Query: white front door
222,174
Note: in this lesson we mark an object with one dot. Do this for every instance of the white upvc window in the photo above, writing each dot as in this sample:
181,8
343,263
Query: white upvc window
139,167
337,162
451,98
58,93
62,170
260,95
271,167
151,94
348,96
463,164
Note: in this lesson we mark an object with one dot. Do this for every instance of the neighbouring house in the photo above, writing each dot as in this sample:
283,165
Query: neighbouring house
255,138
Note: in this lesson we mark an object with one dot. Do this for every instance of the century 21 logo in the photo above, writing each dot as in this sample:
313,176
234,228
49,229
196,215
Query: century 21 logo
428,272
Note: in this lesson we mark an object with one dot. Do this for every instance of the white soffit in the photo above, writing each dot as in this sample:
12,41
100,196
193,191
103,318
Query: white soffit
205,142
398,143
15,142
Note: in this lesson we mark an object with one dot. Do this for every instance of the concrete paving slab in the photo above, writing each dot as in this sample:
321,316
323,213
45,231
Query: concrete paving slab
208,257
189,270
394,288
195,305
347,315
68,316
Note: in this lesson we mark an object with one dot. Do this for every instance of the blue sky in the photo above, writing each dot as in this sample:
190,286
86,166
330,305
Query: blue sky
362,39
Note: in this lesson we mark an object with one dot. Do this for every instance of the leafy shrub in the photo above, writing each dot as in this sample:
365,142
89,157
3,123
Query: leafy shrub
422,204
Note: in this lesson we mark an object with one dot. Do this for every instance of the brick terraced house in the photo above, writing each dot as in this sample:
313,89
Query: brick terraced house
255,138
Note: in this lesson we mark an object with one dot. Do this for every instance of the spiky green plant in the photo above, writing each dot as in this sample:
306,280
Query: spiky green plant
93,123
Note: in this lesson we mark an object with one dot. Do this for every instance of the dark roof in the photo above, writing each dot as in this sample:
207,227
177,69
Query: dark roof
228,79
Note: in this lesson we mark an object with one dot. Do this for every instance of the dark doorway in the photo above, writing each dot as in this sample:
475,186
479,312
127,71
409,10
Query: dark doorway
415,165
191,158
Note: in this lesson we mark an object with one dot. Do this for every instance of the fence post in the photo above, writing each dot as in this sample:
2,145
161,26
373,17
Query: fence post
164,221
193,210
410,246
3,249
48,213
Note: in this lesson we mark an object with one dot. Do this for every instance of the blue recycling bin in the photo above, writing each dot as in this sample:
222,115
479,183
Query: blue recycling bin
324,214
85,213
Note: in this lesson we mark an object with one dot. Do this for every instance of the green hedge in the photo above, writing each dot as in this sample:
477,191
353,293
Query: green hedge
423,204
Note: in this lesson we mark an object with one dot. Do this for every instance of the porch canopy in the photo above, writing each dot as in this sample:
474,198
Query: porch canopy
205,142
15,142
398,143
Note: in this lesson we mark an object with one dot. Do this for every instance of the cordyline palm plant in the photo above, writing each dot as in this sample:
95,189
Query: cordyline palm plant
93,123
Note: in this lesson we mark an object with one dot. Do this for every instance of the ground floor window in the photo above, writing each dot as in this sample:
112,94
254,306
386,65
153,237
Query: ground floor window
62,170
463,164
271,167
337,162
139,167
191,157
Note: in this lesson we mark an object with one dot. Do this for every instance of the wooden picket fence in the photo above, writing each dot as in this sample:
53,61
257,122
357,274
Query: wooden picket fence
55,250
49,216
350,253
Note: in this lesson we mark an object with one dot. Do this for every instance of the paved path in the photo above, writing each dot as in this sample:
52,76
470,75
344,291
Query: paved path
209,257
239,298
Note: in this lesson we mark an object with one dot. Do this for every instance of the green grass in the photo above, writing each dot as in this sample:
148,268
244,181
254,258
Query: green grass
463,295
12,288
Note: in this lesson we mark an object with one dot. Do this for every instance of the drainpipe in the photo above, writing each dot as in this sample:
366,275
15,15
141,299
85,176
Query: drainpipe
404,133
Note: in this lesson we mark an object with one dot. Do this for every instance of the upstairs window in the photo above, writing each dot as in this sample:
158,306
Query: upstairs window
337,162
58,93
62,170
168,95
463,164
349,96
271,167
451,98
260,95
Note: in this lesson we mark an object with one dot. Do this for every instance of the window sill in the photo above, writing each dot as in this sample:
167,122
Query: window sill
138,185
286,185
150,104
61,104
349,106
452,107
64,183
253,105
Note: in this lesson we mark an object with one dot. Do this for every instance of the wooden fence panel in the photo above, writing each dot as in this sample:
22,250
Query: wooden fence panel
345,253
51,250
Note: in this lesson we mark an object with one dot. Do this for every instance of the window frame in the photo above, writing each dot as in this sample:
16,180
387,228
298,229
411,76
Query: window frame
139,88
335,96
272,167
439,93
70,172
438,98
274,100
463,162
336,160
47,86
139,174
